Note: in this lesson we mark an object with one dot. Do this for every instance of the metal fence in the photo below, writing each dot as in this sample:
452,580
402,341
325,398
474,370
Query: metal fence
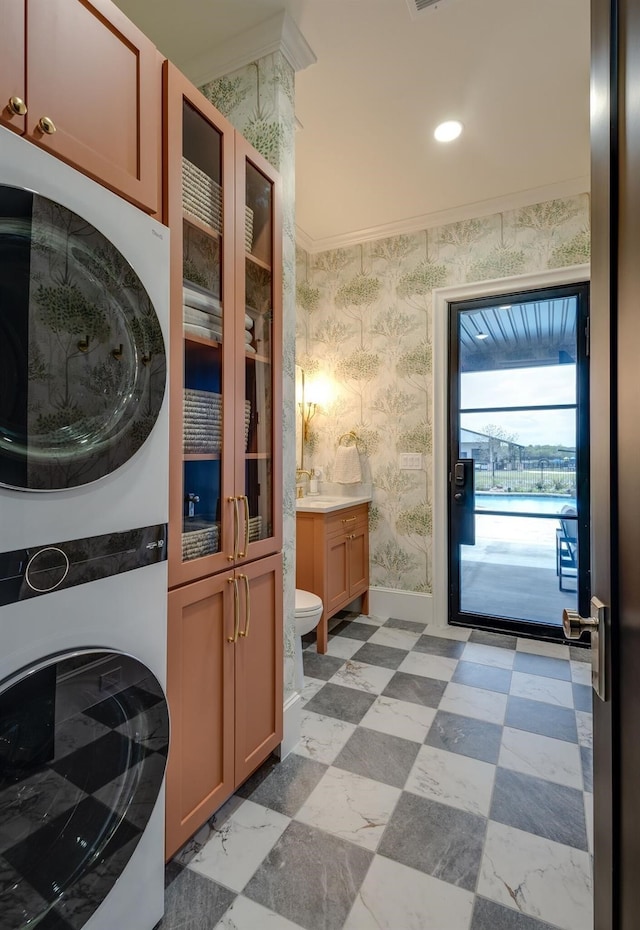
540,479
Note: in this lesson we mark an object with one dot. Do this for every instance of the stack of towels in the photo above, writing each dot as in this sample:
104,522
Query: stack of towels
201,195
202,429
202,313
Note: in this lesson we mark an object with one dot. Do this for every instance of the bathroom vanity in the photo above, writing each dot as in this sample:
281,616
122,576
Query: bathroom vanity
332,553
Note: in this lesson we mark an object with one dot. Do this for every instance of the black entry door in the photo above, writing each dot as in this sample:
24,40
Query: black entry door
519,459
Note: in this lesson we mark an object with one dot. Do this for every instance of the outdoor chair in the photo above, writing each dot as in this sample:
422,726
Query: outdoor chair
567,550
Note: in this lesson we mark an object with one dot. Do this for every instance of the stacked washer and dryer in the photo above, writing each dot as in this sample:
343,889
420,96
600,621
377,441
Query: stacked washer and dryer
83,513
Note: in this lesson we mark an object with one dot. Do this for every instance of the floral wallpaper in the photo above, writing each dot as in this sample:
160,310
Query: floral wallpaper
364,326
259,101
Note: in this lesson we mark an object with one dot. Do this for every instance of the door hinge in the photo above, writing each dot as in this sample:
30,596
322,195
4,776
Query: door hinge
587,336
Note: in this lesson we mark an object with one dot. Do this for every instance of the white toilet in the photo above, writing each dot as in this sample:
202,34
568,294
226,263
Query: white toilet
308,612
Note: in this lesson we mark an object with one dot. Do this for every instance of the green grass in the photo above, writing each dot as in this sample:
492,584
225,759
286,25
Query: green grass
559,481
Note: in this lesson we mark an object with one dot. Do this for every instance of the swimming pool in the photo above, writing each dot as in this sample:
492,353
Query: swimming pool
523,503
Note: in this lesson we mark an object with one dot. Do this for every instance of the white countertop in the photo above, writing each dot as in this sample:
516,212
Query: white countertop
326,503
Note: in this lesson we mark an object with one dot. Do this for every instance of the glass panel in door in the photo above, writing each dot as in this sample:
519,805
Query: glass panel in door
519,416
206,325
258,351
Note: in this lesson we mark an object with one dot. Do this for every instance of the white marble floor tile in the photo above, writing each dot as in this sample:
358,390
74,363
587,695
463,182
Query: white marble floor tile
538,688
394,896
399,718
354,808
488,655
371,619
431,666
584,720
452,779
370,678
459,633
234,852
399,639
340,646
245,914
539,648
588,814
552,759
581,672
474,702
538,877
311,687
322,737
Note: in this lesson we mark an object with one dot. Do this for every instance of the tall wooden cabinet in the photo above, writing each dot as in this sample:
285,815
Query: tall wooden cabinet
80,80
225,570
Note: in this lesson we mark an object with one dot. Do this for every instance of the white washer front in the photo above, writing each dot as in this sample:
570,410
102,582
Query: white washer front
84,298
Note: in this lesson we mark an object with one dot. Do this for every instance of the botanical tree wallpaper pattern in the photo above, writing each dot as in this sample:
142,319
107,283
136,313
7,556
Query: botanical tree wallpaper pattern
364,324
259,101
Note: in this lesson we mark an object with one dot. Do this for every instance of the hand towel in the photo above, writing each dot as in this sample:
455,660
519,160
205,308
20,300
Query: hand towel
200,299
347,466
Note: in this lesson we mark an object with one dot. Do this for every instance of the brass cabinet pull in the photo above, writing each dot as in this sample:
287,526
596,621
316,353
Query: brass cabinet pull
245,578
246,525
236,530
349,520
46,125
17,106
236,611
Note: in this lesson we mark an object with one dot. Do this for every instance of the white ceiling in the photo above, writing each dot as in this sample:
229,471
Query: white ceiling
515,73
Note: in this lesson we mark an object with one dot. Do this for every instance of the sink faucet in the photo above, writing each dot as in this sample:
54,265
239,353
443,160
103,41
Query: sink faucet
299,487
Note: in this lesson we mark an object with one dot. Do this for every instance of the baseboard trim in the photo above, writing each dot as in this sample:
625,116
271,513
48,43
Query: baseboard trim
403,605
292,724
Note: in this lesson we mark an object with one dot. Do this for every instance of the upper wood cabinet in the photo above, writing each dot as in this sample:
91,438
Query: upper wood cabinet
222,204
91,84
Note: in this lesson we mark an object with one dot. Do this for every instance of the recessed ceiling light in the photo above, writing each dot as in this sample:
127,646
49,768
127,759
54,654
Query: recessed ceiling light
447,132
482,335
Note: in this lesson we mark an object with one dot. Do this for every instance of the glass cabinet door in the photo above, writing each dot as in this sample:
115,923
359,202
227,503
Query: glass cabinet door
258,340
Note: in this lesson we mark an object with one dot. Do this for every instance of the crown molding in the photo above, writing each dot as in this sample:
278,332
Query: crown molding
279,33
515,201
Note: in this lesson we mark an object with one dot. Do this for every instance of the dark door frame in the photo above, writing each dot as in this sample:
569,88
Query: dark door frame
557,291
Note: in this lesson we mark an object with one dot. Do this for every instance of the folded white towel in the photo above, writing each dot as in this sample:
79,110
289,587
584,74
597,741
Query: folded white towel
347,466
201,299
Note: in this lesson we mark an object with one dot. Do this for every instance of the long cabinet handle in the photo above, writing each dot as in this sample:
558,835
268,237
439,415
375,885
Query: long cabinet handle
247,608
246,525
236,611
236,529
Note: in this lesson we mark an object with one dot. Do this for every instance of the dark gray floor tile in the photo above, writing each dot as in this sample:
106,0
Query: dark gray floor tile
583,697
542,665
344,703
283,786
409,625
379,756
416,689
439,646
434,838
466,736
193,902
482,676
487,638
354,630
310,877
320,666
489,915
385,656
586,754
553,811
542,718
580,654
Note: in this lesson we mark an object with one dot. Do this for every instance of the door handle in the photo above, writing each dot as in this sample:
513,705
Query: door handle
574,625
247,605
244,498
236,611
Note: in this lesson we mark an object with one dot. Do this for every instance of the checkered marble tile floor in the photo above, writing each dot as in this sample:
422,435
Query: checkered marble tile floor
443,782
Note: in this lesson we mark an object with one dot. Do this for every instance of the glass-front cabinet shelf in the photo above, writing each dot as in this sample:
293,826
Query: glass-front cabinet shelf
223,213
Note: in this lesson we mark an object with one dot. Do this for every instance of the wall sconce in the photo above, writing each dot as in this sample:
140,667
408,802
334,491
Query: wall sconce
308,410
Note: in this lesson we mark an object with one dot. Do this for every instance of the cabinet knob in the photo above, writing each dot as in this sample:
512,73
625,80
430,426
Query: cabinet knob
17,106
46,125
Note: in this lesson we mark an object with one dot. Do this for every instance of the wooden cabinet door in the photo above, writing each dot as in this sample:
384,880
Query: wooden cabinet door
200,672
336,583
359,559
12,61
98,79
258,665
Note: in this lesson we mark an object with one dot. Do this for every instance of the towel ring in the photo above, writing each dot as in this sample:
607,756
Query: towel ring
351,440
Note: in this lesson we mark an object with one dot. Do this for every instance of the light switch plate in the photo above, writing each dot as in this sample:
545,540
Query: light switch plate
411,460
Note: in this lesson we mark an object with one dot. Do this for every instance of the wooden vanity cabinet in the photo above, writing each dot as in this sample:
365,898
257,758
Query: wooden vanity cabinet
224,688
332,560
91,85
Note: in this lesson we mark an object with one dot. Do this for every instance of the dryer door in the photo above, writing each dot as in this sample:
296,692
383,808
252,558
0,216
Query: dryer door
83,745
82,358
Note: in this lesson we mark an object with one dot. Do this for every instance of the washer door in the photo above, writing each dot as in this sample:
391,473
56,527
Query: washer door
82,358
83,746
